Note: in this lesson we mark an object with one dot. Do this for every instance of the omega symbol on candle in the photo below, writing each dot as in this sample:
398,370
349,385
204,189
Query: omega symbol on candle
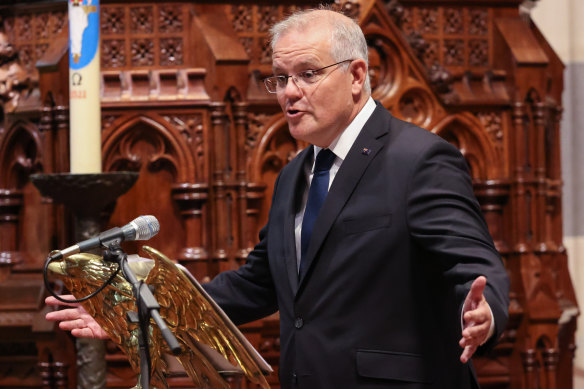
77,79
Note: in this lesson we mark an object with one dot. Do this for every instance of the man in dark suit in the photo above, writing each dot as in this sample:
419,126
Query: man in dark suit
391,278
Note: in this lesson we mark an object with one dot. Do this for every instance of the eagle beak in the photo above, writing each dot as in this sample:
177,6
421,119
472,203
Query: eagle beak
57,268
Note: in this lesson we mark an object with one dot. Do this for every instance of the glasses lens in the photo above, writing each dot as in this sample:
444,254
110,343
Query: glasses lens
308,77
271,84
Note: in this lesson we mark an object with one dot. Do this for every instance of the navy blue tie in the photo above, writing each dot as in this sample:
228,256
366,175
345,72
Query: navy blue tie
316,195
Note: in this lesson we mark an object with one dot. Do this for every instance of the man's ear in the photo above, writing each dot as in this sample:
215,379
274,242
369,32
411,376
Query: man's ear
358,70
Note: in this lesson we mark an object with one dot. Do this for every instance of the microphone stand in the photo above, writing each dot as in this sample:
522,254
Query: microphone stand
147,308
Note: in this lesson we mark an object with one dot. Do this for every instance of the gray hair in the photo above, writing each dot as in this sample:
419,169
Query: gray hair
347,39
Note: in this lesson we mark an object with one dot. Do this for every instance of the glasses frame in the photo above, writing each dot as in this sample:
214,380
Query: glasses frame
268,81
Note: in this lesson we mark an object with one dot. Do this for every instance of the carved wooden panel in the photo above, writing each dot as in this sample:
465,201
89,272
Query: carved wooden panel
458,37
144,36
192,117
252,22
32,32
167,149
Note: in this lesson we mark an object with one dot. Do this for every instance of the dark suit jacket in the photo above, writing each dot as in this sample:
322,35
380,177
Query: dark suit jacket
395,248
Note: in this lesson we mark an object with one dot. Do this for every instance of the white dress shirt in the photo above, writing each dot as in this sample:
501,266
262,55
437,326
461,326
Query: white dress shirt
340,147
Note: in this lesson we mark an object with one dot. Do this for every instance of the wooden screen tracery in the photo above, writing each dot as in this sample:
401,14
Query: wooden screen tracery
183,104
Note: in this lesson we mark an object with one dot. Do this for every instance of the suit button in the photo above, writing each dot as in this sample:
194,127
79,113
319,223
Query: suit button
298,323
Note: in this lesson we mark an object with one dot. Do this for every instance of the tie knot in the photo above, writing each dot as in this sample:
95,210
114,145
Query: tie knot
324,160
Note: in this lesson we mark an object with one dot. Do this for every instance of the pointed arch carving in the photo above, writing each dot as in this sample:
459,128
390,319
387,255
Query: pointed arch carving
466,133
533,96
149,144
20,155
275,148
162,147
416,105
387,69
233,95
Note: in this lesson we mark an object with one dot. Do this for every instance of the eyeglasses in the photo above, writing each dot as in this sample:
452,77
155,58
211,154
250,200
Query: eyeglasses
303,79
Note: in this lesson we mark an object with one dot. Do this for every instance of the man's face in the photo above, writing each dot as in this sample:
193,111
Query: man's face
315,113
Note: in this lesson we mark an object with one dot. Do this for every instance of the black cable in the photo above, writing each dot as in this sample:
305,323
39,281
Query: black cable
52,292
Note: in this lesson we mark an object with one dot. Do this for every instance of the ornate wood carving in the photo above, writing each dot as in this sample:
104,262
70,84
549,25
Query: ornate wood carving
163,85
183,104
190,199
20,155
171,51
112,20
14,80
221,167
170,19
143,36
113,53
465,133
142,52
141,20
11,202
351,8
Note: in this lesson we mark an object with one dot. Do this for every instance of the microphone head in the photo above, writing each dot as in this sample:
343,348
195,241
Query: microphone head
143,228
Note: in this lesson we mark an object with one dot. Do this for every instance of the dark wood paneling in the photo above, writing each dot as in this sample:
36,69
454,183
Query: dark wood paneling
183,105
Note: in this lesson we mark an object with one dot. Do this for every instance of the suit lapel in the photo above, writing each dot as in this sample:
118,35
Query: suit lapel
295,198
360,155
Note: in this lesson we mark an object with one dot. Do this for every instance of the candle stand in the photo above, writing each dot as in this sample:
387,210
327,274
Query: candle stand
91,199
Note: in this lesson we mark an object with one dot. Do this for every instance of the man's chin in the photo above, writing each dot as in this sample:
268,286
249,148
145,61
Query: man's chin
297,133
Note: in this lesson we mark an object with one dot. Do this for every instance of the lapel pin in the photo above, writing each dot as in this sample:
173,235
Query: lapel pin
366,151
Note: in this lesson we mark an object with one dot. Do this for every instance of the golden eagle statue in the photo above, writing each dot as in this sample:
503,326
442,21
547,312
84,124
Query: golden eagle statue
213,348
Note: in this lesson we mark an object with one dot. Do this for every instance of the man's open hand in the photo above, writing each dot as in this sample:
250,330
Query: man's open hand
75,319
476,319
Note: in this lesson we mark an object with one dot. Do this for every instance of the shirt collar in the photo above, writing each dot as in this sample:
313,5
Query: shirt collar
341,145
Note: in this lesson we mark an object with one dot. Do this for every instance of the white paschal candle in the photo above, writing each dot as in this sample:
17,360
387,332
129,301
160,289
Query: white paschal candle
84,87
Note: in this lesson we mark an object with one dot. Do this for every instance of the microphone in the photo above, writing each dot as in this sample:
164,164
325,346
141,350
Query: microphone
142,228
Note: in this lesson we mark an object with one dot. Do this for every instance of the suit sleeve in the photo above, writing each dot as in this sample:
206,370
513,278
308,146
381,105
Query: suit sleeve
248,293
446,221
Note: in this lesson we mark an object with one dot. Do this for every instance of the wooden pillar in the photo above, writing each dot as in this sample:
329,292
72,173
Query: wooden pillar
241,181
554,173
550,357
522,259
520,169
61,165
219,169
539,122
493,195
61,150
530,368
54,375
190,199
11,201
46,123
255,195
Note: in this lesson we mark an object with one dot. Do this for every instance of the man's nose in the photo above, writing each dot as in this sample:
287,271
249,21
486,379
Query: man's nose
292,89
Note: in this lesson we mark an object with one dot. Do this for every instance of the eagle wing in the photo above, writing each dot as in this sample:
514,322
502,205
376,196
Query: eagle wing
213,348
210,340
84,273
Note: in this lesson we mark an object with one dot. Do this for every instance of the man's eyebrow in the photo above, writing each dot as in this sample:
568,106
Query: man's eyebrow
276,70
